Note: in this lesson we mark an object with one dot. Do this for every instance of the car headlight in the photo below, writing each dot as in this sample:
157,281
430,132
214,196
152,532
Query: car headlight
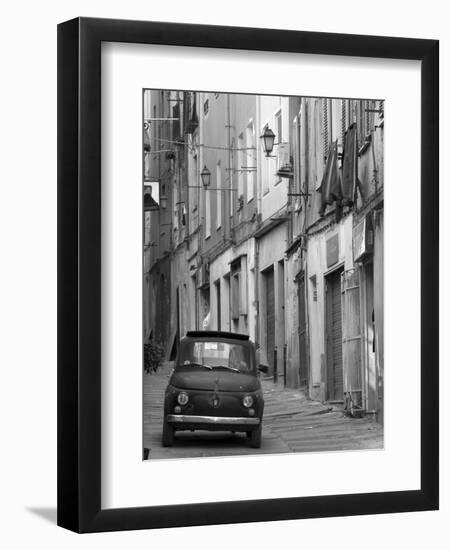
247,401
183,398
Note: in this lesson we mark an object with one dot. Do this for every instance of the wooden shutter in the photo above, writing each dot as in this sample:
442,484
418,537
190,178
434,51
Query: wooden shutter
351,339
296,154
344,118
325,130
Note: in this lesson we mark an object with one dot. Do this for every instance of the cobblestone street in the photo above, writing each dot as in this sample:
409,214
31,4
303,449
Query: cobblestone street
291,423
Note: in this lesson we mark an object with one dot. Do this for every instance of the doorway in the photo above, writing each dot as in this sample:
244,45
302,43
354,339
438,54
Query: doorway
218,305
333,337
302,334
371,370
270,315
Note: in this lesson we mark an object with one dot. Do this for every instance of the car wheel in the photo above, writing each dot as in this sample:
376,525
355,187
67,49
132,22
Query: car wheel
167,435
255,439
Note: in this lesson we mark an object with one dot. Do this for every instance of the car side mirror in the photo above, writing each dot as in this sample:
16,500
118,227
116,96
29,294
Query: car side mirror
263,368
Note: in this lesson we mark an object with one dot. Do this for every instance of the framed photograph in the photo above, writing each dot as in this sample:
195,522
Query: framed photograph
247,275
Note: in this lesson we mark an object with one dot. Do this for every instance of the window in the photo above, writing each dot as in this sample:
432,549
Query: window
215,354
250,160
219,195
239,297
279,127
360,121
336,120
147,104
318,155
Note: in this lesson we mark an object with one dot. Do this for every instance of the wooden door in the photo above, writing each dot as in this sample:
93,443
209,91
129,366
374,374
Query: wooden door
334,337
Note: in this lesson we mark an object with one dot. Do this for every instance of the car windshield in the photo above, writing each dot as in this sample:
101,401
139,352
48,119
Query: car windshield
214,355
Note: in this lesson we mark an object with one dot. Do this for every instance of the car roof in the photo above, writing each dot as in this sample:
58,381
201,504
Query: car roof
217,334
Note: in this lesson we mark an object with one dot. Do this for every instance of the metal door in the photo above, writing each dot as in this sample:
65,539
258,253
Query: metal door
351,340
334,337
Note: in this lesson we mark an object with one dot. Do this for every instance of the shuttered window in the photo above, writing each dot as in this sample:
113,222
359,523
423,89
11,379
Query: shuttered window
346,116
318,165
303,137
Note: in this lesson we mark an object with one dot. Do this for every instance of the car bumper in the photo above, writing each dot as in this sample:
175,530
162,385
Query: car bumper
212,420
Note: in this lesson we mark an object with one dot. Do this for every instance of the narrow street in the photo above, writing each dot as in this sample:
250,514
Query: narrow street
291,423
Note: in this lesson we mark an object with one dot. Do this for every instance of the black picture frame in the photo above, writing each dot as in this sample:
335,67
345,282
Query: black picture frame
79,274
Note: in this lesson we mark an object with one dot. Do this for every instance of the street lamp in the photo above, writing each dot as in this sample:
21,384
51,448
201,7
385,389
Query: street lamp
268,138
163,202
205,174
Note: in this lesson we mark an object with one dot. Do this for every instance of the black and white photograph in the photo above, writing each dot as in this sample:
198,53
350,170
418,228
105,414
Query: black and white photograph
262,285
216,331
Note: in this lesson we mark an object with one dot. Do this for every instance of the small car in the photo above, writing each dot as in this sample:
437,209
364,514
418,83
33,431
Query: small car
215,386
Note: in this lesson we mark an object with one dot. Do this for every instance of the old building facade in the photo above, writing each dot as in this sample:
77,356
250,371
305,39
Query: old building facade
284,244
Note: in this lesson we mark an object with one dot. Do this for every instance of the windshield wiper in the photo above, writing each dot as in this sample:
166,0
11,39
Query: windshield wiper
198,365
